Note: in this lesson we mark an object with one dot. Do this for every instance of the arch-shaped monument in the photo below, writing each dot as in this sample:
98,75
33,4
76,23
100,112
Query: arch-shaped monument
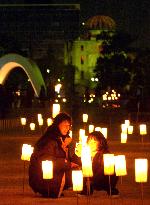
11,61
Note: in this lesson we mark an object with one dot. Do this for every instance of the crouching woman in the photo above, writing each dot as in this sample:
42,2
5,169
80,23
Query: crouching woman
53,145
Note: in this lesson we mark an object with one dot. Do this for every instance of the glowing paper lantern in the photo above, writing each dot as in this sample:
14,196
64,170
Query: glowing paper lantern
124,128
98,129
123,137
85,117
40,121
127,123
23,121
120,165
27,150
143,130
81,134
77,180
91,128
108,164
32,126
49,121
56,110
130,129
141,169
104,131
47,168
39,116
86,162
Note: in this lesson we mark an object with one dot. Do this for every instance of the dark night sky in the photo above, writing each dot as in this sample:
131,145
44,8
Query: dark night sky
132,16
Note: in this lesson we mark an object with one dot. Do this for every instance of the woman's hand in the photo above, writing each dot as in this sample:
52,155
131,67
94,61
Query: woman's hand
74,165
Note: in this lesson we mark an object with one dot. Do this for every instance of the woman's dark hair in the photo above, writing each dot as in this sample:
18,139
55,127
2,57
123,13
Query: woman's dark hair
60,118
99,137
53,131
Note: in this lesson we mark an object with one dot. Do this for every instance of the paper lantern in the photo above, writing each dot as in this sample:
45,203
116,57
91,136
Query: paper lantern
77,180
130,129
108,164
86,162
141,169
120,165
39,116
47,168
81,134
85,117
23,121
27,150
40,121
56,110
104,131
143,130
127,123
91,128
124,128
123,137
49,121
32,126
98,129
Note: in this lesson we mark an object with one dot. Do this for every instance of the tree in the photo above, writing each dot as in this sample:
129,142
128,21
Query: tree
113,67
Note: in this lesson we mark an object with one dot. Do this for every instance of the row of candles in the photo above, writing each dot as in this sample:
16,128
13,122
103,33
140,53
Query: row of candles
126,128
112,164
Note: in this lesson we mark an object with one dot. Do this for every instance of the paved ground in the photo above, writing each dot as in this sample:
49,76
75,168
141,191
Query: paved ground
12,169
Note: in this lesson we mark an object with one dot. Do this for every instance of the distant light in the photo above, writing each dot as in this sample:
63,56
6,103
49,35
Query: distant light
64,100
96,79
83,23
58,80
48,70
56,100
92,79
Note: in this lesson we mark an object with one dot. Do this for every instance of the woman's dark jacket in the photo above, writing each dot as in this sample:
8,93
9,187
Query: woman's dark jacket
49,148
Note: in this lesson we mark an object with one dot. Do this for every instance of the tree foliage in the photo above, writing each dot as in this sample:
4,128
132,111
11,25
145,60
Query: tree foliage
113,67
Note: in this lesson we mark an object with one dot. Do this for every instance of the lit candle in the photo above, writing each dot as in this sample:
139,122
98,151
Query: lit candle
56,110
23,121
49,121
27,150
120,165
86,162
108,164
141,169
91,128
143,130
77,180
123,137
47,168
85,117
130,130
104,131
32,126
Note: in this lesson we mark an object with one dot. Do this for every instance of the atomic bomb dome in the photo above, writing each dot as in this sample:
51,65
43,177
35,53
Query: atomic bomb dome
100,22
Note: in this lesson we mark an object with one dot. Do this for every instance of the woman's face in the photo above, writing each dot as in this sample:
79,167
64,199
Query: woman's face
93,144
64,127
